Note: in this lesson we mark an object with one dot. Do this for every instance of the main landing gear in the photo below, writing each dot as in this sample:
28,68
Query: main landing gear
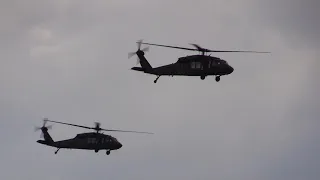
217,78
107,152
155,81
56,151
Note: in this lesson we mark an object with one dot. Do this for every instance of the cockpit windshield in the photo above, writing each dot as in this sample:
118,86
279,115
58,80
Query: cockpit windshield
220,61
223,62
113,139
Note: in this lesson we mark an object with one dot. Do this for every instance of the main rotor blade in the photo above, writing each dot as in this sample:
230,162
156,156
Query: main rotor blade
198,48
71,124
176,47
146,49
208,50
126,131
97,128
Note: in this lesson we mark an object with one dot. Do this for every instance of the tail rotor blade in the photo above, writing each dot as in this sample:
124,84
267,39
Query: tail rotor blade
41,135
146,49
43,128
36,129
139,44
139,50
131,54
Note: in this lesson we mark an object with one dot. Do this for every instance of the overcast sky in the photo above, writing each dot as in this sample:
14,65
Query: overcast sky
67,60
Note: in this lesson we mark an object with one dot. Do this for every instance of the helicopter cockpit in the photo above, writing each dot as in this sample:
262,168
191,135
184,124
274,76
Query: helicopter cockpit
217,61
113,139
221,61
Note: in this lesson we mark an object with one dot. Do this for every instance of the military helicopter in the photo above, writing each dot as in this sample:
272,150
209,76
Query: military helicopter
87,141
193,65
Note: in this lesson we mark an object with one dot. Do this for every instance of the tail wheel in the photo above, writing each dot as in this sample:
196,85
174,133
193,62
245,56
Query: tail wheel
108,152
217,78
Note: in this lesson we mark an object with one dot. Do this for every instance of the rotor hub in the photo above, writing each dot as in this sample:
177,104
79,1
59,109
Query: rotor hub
139,52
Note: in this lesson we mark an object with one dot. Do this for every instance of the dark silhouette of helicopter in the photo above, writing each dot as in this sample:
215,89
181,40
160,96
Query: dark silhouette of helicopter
194,65
88,141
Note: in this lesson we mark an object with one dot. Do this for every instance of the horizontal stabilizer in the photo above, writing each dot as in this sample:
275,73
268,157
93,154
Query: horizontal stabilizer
44,142
137,69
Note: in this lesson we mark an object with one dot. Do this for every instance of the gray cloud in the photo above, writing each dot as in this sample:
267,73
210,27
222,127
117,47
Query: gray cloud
68,61
295,20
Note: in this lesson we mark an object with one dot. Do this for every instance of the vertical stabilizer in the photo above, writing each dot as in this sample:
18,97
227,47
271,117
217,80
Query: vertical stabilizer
47,138
145,65
143,61
46,135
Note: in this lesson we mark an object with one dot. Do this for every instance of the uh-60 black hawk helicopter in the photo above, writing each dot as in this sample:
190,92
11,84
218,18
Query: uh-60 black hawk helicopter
194,65
87,141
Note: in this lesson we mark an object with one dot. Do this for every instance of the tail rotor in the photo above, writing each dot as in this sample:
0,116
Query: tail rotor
43,128
139,51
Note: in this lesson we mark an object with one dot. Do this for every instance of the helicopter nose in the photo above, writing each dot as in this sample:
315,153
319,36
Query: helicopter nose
119,145
230,69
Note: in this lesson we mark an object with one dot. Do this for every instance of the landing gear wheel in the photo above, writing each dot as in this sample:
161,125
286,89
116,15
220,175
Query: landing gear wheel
56,151
108,152
96,150
202,77
217,78
155,81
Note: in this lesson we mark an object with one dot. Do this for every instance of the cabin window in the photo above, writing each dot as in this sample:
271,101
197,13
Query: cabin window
105,140
92,140
195,65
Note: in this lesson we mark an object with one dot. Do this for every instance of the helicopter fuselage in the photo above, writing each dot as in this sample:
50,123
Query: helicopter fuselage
87,141
186,69
195,65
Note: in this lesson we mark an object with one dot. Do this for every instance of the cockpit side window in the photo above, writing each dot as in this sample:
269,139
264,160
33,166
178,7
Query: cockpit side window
213,63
